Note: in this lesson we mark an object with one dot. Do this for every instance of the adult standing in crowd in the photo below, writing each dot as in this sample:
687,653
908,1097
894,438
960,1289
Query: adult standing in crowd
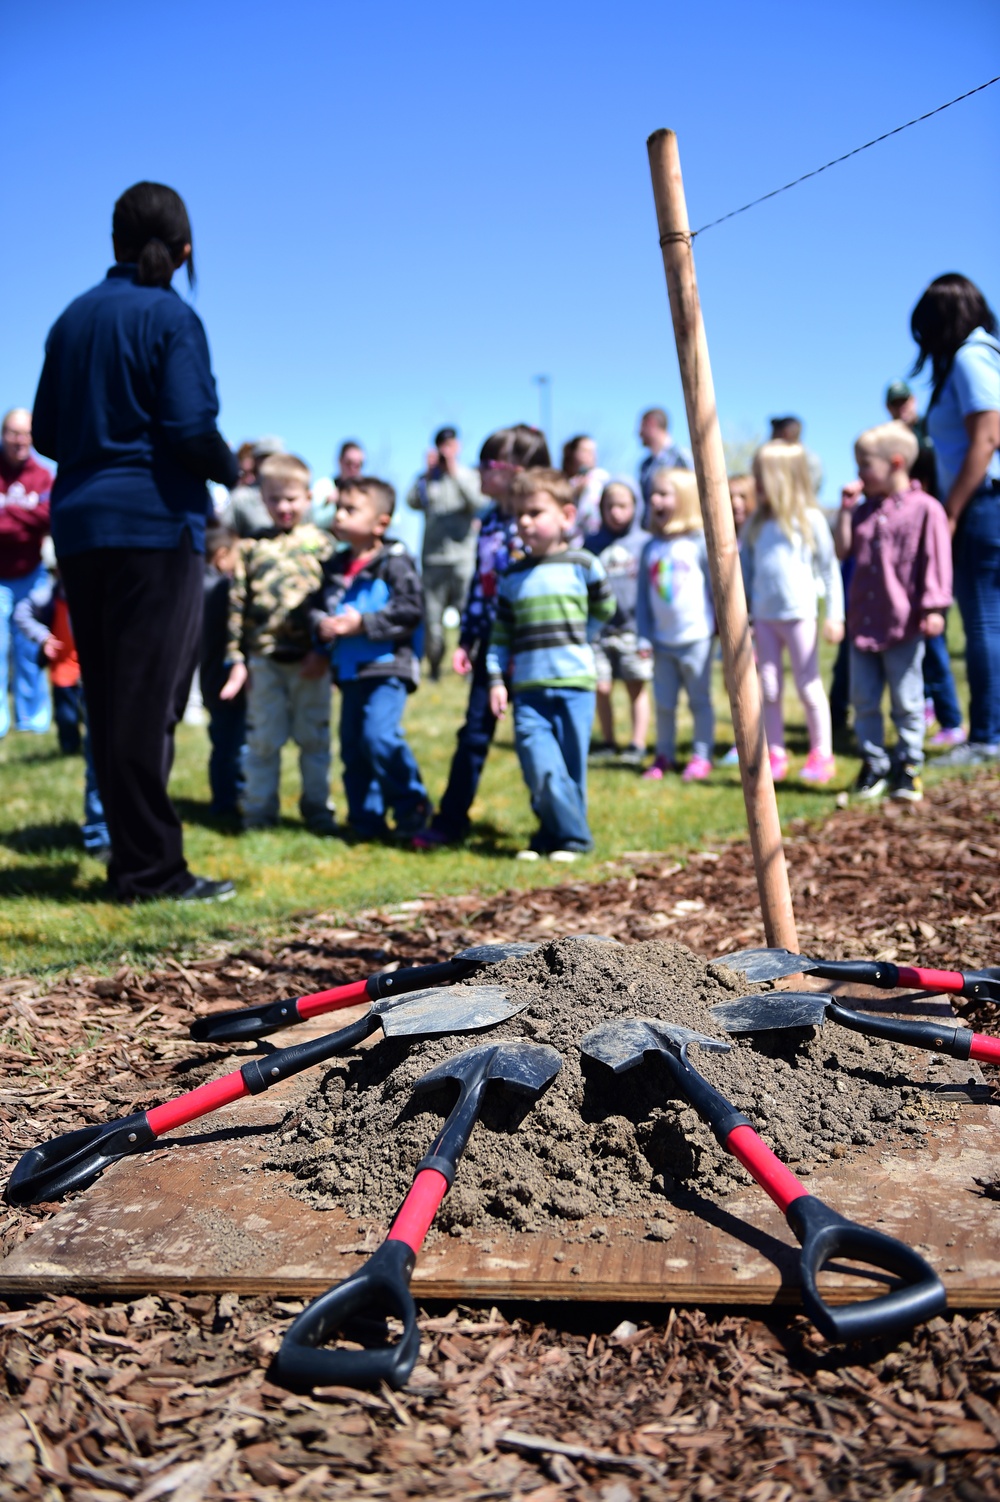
450,498
664,453
246,514
955,329
789,430
24,523
587,479
127,406
350,466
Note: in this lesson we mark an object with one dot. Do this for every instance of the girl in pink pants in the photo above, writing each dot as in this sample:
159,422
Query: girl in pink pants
789,562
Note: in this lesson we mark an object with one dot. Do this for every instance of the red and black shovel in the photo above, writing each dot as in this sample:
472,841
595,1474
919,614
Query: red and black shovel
775,964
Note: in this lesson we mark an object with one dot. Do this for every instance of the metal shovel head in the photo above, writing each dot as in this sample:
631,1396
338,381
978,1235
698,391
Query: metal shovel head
773,1012
492,954
766,964
624,1044
445,1009
527,1067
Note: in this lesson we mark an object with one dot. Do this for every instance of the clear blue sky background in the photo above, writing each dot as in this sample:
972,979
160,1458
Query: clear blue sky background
404,213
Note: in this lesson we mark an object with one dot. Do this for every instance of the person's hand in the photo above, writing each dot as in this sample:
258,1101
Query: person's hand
833,632
952,522
498,700
851,494
326,627
238,676
448,460
50,647
347,623
314,665
461,662
932,623
431,460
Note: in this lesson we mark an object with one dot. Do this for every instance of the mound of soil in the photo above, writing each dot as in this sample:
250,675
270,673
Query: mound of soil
594,1143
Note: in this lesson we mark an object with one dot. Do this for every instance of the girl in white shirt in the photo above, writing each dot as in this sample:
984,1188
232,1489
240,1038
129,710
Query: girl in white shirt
788,559
674,613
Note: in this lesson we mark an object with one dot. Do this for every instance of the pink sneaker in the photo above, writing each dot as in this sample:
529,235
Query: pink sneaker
930,717
659,769
818,768
778,757
697,770
954,737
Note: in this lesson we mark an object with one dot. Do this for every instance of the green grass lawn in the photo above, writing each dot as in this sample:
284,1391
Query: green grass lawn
53,911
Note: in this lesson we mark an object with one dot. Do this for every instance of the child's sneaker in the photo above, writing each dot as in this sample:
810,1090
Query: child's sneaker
413,824
565,856
697,770
945,739
602,752
527,855
906,786
778,757
819,769
632,756
431,839
870,784
930,717
731,758
661,766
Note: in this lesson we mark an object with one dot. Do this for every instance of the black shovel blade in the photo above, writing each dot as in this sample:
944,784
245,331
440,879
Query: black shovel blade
772,1013
527,1067
624,1043
766,964
446,1009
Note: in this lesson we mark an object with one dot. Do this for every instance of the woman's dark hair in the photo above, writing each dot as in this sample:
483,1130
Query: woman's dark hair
570,447
151,227
521,445
943,319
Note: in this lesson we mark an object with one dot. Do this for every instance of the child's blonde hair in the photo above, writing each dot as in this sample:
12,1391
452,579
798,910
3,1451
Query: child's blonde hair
890,439
551,482
285,469
687,517
782,474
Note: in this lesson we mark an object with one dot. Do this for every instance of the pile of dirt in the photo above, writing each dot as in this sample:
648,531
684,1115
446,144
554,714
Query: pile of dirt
595,1143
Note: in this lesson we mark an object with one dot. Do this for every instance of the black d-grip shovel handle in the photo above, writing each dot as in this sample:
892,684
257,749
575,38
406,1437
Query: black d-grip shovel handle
825,1234
75,1159
378,1289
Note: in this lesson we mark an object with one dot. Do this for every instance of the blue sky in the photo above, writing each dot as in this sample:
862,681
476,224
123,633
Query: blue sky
404,213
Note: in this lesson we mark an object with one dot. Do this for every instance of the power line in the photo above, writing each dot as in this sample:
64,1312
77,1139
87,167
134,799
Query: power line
846,157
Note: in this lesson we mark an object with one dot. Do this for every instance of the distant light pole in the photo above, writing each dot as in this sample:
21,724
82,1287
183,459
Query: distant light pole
544,384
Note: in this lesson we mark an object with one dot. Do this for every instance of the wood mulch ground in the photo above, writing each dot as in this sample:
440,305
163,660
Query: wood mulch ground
170,1397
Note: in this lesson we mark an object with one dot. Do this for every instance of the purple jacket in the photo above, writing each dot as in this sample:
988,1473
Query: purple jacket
901,548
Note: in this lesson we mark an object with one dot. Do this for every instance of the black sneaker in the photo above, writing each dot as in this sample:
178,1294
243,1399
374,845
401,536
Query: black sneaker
870,784
906,784
601,753
204,889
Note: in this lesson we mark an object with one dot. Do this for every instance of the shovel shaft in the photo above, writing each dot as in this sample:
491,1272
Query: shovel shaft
207,1097
416,1214
771,1174
952,981
333,1000
986,1050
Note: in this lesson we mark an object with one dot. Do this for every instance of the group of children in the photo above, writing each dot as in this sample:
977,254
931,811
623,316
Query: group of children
549,627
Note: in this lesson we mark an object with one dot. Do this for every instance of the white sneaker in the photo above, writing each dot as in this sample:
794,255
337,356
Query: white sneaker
564,855
527,855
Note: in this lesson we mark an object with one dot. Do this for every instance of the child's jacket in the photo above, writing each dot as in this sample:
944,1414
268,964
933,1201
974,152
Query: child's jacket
544,609
620,554
496,544
901,548
389,596
275,579
784,576
44,613
674,606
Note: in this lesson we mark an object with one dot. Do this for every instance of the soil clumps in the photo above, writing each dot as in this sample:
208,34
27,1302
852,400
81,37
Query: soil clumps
594,1144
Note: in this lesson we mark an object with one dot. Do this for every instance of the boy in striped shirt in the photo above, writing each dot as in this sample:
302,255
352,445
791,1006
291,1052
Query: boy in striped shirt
548,606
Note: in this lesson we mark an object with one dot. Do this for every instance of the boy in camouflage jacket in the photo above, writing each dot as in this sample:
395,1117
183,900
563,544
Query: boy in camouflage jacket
270,650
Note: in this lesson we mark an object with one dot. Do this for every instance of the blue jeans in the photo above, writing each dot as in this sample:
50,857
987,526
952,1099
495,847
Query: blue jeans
95,828
452,817
690,665
552,734
939,684
68,710
901,667
227,733
380,770
977,590
32,707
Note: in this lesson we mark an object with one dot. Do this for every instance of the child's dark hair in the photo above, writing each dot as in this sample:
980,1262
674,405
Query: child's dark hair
381,492
943,319
569,460
522,447
151,227
218,537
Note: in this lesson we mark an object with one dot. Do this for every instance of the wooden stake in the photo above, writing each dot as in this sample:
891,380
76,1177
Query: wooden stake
720,537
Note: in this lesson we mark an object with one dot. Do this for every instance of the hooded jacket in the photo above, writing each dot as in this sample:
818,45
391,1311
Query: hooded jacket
620,553
389,596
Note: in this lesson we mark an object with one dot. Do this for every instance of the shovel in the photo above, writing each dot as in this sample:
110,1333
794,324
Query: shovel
75,1159
381,1287
257,1022
821,1231
773,964
777,1010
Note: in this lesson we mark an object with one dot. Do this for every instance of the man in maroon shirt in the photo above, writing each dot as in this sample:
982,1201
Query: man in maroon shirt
24,522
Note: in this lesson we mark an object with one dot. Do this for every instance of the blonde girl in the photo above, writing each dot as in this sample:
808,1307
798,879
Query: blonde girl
788,562
674,613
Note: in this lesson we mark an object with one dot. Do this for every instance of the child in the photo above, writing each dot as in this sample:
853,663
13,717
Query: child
674,612
898,537
546,601
743,499
43,617
618,652
368,610
788,560
502,457
226,717
288,694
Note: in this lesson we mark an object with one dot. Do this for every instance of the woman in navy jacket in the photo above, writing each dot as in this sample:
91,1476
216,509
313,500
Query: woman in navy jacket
127,406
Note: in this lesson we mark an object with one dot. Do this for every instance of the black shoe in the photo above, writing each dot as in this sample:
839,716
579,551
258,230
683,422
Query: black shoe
204,889
601,753
906,784
870,784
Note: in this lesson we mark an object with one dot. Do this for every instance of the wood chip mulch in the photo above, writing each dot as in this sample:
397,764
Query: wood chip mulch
170,1397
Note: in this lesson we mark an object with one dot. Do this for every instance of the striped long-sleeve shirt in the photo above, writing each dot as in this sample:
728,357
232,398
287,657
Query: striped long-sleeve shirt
547,611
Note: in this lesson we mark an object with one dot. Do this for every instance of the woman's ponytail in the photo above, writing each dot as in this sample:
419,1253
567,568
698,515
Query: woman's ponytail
155,264
151,228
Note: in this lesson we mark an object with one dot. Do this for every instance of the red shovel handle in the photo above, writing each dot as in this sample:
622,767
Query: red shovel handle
930,980
331,1001
208,1097
419,1208
771,1174
985,1049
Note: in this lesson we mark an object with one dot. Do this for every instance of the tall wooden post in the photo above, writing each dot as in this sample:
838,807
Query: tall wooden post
720,537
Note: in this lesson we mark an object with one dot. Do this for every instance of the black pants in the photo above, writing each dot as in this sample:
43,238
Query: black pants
137,622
